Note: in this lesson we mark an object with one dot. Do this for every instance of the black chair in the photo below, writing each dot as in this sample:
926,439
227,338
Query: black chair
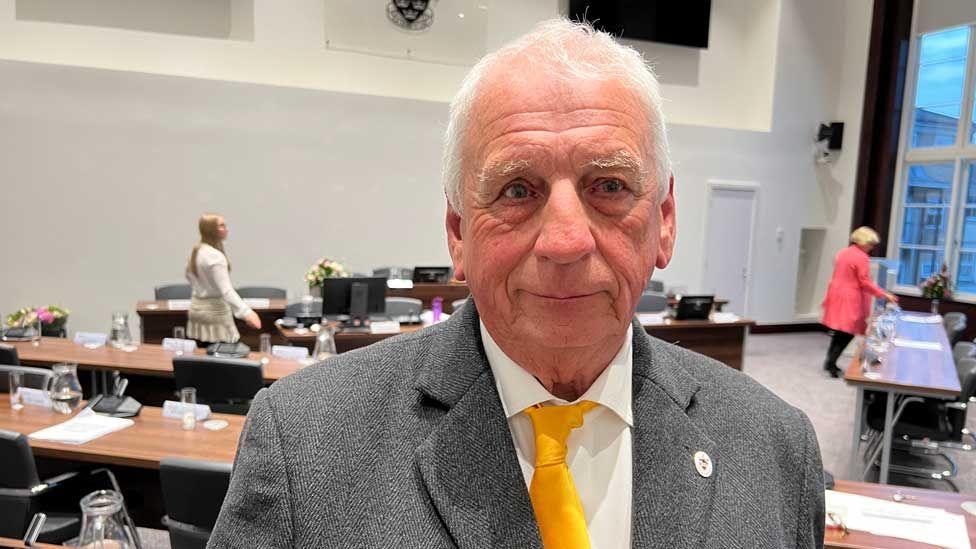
173,291
266,292
654,286
226,384
397,307
193,492
8,355
963,349
926,427
35,378
23,494
652,302
955,325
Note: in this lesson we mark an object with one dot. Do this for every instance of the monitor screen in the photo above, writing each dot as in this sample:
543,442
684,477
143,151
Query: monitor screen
337,294
684,23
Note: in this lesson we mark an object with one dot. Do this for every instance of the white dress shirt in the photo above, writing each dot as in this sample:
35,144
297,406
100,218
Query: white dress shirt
212,279
600,452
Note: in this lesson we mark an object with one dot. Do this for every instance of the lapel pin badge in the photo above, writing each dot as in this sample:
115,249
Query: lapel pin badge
703,464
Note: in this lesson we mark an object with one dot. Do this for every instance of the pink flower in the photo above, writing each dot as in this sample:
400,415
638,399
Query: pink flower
46,316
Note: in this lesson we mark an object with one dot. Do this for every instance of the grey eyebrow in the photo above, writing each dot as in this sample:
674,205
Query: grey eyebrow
499,169
622,160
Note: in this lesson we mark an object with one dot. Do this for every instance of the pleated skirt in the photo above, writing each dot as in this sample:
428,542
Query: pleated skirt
209,319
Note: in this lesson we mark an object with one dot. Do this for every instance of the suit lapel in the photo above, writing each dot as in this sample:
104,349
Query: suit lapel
468,463
672,502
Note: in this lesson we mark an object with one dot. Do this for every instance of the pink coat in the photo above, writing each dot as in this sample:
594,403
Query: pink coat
848,301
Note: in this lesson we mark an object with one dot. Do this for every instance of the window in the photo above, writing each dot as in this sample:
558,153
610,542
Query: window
935,206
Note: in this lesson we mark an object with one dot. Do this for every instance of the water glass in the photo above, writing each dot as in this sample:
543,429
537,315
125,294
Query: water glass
307,301
265,344
179,332
188,399
35,332
16,381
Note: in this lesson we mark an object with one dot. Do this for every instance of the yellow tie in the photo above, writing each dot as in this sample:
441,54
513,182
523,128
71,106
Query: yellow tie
557,505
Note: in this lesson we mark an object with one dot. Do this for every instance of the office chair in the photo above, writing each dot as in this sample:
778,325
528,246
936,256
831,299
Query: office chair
8,355
955,325
652,302
654,286
926,427
193,492
23,494
173,291
458,303
397,307
403,273
226,384
294,310
963,349
36,378
265,292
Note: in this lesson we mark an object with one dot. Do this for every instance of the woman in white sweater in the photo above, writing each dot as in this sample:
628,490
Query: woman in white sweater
214,299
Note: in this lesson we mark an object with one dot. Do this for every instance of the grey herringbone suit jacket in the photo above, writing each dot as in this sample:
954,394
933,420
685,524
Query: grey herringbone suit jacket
405,444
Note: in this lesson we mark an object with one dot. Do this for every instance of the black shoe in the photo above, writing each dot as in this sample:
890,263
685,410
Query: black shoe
834,372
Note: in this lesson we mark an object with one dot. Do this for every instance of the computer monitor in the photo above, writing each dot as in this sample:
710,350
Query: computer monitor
357,297
435,275
695,307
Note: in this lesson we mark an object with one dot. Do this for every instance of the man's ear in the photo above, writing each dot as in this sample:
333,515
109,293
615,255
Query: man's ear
665,245
455,245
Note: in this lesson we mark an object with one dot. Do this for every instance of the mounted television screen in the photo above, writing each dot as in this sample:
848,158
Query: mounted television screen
681,22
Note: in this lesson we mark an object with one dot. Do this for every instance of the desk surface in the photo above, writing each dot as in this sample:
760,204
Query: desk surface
915,371
142,445
148,359
949,501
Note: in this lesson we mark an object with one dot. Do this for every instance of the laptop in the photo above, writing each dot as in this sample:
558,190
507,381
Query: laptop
694,307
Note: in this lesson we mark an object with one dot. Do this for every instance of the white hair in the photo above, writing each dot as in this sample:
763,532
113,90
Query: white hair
567,50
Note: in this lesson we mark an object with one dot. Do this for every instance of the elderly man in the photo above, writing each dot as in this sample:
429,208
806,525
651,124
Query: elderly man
540,414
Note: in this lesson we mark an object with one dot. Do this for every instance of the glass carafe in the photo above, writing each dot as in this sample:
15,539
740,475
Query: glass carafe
64,389
120,336
325,346
103,524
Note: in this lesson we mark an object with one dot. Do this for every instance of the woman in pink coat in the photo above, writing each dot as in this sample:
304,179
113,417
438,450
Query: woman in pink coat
849,296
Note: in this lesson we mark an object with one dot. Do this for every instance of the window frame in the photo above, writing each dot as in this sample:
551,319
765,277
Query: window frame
961,153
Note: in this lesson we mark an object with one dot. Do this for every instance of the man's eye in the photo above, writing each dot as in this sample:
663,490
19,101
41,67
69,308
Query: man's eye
610,186
516,191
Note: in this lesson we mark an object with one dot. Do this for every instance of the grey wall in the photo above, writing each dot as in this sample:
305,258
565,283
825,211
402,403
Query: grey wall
105,173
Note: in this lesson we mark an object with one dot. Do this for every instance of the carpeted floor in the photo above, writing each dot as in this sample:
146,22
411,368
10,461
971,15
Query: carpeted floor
790,365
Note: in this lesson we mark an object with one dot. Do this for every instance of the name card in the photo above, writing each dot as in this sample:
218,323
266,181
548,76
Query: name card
174,410
399,284
257,302
288,352
91,340
178,304
34,397
179,345
384,327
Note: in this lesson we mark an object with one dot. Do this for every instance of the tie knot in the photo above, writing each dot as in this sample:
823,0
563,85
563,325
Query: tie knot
552,425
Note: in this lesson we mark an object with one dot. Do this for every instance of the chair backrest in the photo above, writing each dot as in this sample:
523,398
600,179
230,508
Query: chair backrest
294,310
218,379
652,302
34,378
403,306
18,472
966,368
8,355
654,286
174,291
955,325
405,273
266,292
193,492
457,304
963,349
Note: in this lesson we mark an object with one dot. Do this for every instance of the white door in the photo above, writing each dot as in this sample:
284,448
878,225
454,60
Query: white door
728,243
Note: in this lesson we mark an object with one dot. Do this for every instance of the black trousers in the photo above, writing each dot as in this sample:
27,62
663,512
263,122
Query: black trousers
838,342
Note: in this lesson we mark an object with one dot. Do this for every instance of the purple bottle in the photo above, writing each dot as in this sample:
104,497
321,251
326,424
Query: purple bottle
437,307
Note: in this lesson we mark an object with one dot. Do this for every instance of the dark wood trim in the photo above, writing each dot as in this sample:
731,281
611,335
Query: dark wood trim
788,328
881,118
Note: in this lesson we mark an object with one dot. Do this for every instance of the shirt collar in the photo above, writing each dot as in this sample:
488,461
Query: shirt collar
518,389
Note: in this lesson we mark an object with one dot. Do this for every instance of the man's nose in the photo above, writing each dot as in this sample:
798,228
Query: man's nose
565,236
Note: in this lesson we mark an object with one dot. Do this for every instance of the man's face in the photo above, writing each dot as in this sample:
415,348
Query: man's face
561,224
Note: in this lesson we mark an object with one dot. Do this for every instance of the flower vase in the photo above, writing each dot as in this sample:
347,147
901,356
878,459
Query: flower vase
935,306
315,291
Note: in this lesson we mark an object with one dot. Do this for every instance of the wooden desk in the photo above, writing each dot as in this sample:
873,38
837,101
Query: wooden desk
157,320
949,501
151,438
344,341
723,341
451,292
903,372
18,544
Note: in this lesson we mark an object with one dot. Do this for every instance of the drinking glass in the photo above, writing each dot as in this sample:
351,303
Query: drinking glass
265,344
307,301
188,399
120,337
14,385
35,332
179,332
